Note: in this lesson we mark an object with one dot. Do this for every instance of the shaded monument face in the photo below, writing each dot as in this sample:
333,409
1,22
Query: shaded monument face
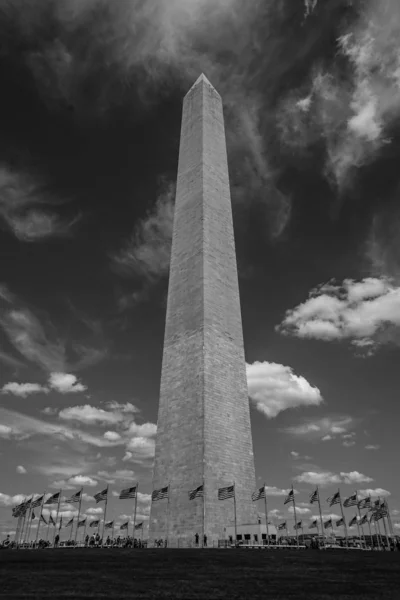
204,433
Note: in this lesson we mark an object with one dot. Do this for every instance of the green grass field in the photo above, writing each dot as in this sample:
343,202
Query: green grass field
187,574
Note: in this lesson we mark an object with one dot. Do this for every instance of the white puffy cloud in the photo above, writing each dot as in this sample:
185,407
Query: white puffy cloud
354,311
322,478
355,477
90,415
299,510
94,510
6,431
295,454
325,428
23,389
112,436
73,482
65,383
372,447
348,443
139,449
274,388
6,500
145,430
121,474
374,493
21,470
126,408
274,491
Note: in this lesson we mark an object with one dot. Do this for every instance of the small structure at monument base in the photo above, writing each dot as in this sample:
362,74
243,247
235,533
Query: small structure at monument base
251,533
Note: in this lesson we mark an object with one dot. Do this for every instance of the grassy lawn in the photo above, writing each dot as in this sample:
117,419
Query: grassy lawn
209,574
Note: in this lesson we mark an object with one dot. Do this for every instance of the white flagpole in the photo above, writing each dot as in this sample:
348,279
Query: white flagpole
134,510
167,524
79,512
344,520
321,521
266,513
234,509
204,511
30,524
295,516
26,536
40,518
105,512
362,528
58,510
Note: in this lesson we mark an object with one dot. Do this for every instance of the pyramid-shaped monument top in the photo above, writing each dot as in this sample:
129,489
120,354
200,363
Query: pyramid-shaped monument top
202,79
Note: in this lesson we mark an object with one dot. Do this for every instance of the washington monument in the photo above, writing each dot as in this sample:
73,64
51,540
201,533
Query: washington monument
204,434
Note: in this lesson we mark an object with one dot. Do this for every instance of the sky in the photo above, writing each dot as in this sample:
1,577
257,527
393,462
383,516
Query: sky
90,115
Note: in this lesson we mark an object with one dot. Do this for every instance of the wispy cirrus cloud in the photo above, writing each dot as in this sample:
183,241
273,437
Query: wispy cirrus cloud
325,428
34,337
361,312
20,198
274,388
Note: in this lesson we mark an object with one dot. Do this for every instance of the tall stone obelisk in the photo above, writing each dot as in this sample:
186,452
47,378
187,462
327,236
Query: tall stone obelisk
204,433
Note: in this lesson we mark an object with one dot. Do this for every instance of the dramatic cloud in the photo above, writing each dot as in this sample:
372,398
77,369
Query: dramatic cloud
37,340
23,389
139,449
20,198
357,311
274,388
355,477
350,108
325,429
21,470
65,383
90,415
147,254
322,478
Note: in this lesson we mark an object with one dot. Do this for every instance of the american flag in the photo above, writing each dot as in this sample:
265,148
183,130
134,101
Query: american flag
53,499
74,498
314,525
328,524
70,522
160,494
19,511
335,499
353,521
37,502
260,493
51,521
197,493
289,497
100,496
128,493
33,516
340,522
139,525
60,526
125,525
364,519
351,501
226,492
282,526
314,497
43,520
109,525
365,503
94,523
82,523
298,525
